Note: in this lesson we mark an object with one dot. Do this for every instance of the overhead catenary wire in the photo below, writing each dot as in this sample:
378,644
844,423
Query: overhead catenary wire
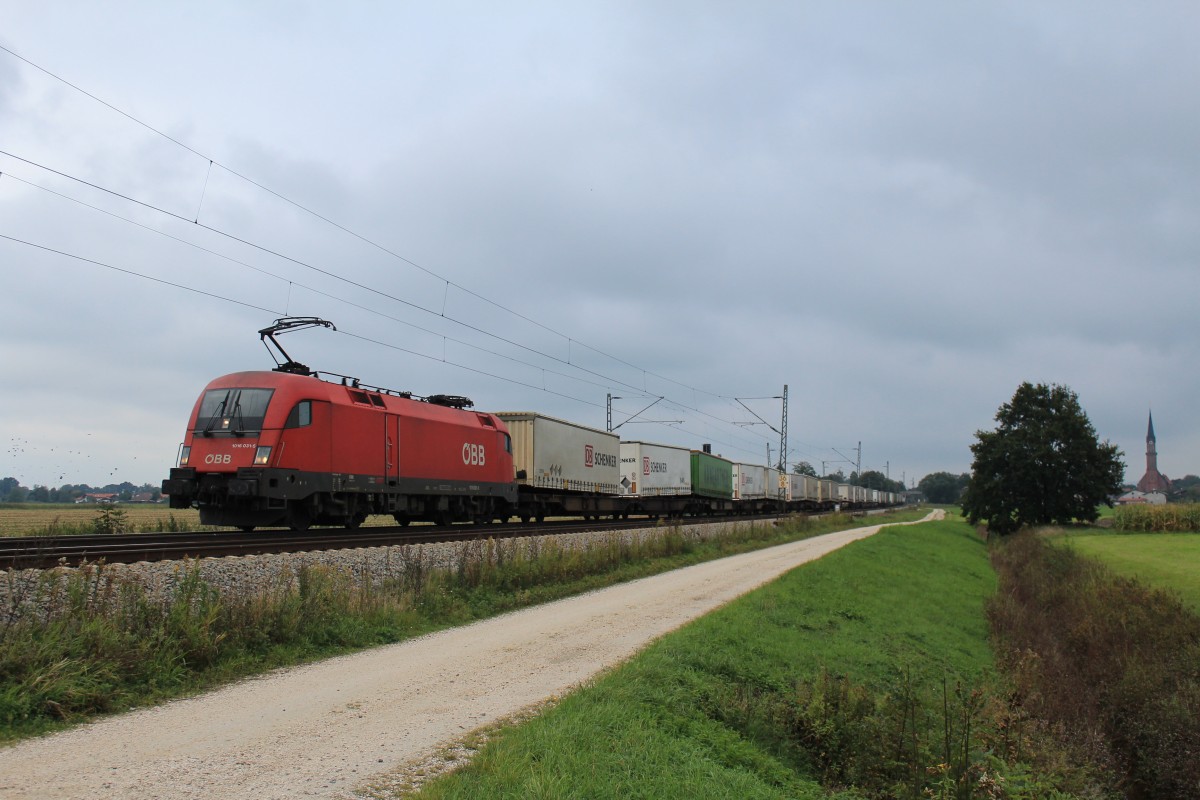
339,226
378,342
292,283
449,283
624,385
305,209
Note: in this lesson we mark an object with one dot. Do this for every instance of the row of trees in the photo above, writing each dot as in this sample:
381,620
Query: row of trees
944,487
11,491
870,479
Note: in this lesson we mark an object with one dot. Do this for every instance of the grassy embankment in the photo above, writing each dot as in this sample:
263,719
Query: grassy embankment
867,672
103,647
1108,663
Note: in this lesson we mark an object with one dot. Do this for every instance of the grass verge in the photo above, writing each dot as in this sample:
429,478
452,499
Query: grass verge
1169,561
864,674
99,646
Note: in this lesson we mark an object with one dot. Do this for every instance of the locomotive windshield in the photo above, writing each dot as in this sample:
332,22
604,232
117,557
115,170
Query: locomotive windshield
232,411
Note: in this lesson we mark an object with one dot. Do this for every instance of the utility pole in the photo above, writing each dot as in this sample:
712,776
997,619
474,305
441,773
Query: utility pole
783,434
858,463
634,419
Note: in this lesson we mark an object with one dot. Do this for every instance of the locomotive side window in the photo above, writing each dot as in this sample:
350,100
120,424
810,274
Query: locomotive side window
233,411
508,444
300,416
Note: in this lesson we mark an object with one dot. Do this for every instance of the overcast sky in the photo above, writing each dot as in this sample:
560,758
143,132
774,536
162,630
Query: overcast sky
900,210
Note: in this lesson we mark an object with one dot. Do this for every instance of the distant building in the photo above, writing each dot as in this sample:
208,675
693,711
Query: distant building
1153,480
1136,498
98,497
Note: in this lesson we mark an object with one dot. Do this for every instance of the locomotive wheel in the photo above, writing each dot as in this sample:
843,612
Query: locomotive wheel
355,520
299,519
525,519
246,528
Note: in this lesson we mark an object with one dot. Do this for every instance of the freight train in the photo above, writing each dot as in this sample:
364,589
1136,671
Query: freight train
291,448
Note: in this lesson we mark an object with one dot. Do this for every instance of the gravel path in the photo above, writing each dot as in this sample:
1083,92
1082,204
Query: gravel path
325,729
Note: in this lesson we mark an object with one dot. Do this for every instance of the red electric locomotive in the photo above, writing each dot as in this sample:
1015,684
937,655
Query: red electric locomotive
288,448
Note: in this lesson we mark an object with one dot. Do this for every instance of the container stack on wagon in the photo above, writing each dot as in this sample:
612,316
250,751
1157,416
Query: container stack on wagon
562,468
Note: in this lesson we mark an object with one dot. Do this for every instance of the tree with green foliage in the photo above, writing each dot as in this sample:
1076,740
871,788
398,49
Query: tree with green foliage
943,487
1185,490
1042,464
804,468
7,486
110,519
874,479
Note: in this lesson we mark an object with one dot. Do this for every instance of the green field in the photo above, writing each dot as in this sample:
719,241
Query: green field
1166,560
865,669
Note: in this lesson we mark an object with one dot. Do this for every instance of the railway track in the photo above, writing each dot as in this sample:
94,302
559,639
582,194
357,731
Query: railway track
43,552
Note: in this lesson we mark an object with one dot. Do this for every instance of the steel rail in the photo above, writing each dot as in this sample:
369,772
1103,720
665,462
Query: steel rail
44,552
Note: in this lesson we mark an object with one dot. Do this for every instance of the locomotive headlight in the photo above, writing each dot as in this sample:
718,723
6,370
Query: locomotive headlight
184,454
261,456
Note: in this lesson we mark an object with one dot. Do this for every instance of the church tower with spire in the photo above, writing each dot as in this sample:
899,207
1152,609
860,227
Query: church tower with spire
1153,480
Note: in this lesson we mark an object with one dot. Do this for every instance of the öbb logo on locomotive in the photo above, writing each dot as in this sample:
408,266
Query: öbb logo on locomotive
474,454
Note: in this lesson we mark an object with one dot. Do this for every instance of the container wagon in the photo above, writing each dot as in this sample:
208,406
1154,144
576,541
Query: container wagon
562,468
